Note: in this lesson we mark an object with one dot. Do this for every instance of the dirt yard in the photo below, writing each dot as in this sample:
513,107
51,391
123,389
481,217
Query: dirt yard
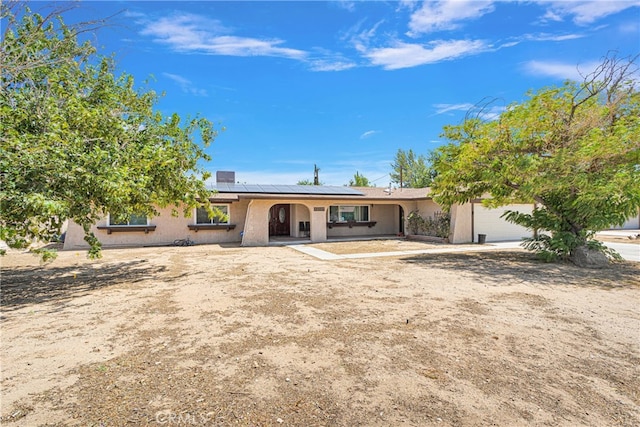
212,335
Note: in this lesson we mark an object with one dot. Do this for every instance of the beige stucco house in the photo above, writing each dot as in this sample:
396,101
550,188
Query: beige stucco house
259,214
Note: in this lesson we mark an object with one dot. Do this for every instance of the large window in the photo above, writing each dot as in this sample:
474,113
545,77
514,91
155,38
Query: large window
349,213
222,216
134,219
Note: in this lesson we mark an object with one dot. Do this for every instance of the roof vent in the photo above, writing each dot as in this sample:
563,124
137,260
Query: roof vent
225,177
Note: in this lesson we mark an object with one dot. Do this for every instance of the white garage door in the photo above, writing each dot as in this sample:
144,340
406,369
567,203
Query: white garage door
487,221
632,223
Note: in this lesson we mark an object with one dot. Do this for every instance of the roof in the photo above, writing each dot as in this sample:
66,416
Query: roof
234,192
395,193
285,189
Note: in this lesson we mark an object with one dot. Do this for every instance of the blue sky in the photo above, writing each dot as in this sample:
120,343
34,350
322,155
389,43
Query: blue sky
345,84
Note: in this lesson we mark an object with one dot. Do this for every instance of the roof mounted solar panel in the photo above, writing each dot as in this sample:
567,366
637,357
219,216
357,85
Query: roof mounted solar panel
318,190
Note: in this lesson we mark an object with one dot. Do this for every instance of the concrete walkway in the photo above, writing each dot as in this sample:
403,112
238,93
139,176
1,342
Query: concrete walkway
328,256
628,251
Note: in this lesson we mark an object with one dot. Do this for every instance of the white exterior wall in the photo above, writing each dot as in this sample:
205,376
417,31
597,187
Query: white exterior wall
489,222
632,223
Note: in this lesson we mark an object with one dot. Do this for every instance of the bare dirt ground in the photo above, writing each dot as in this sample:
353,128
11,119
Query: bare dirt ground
212,335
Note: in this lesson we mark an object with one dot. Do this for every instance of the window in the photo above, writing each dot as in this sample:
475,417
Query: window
134,219
349,213
202,216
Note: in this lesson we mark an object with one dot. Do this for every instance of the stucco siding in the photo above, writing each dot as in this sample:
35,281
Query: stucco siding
490,223
299,213
385,216
168,228
427,208
461,227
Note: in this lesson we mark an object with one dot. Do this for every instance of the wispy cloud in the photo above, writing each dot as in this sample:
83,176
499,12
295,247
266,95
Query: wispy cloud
538,37
482,110
186,85
189,33
446,15
560,70
631,27
324,65
361,38
368,134
545,37
405,55
324,60
584,12
445,108
346,4
194,34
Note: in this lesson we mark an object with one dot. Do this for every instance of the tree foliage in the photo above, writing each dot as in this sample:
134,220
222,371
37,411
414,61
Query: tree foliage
359,181
414,170
574,150
78,141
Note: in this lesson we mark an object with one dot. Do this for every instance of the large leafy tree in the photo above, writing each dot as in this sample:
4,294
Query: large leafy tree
78,141
573,150
411,170
359,181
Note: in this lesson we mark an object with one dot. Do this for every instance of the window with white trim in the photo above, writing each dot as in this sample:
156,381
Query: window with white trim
221,217
349,213
134,219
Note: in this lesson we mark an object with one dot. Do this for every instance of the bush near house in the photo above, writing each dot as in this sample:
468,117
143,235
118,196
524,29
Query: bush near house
438,225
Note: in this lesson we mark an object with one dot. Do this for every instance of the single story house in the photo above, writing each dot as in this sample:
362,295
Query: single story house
259,214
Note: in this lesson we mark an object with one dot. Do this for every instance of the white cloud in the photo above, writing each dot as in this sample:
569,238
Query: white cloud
405,55
329,62
631,27
490,112
186,85
192,33
445,108
483,110
544,37
346,4
584,12
361,38
368,134
560,70
407,4
446,15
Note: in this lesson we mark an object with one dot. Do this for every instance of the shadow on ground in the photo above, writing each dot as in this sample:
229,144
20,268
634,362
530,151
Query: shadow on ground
23,286
501,267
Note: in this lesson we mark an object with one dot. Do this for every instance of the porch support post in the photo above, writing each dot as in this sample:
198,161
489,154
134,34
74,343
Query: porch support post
461,223
318,223
256,227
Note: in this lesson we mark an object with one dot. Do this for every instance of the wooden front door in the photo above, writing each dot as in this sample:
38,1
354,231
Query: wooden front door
279,220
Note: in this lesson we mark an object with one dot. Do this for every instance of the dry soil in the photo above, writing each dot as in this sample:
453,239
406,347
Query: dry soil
213,335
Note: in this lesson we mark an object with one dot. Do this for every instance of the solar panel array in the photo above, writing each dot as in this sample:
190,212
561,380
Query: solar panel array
286,189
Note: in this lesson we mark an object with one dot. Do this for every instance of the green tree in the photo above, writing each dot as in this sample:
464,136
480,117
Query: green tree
574,150
415,170
305,182
78,141
359,181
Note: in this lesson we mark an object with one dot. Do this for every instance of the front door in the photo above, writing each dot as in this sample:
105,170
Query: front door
279,222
